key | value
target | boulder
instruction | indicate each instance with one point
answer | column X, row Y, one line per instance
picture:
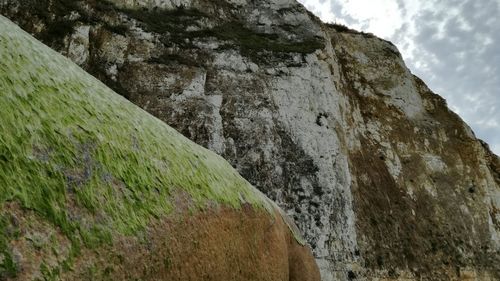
column 94, row 188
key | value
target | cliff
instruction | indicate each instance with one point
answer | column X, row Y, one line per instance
column 94, row 188
column 384, row 181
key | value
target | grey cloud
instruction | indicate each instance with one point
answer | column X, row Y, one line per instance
column 402, row 7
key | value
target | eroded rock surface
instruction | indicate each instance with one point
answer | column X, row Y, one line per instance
column 382, row 178
column 94, row 188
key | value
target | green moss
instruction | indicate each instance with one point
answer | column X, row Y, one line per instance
column 48, row 273
column 69, row 144
column 8, row 267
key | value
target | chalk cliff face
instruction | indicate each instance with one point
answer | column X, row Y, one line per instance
column 384, row 181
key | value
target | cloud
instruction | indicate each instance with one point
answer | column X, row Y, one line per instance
column 453, row 45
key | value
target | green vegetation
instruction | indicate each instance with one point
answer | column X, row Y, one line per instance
column 339, row 27
column 175, row 22
column 49, row 274
column 172, row 24
column 58, row 23
column 345, row 29
column 8, row 267
column 68, row 144
column 161, row 20
column 249, row 40
column 53, row 16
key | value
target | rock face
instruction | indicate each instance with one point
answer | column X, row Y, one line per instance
column 385, row 182
column 94, row 188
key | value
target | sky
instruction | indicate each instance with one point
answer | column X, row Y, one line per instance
column 453, row 45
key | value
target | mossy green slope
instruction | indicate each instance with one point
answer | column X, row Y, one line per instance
column 66, row 139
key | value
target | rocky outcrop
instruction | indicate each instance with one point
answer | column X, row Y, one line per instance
column 384, row 180
column 94, row 188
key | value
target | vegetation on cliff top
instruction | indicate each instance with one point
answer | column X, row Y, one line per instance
column 179, row 26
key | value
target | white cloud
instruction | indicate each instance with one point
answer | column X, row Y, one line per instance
column 321, row 8
column 381, row 17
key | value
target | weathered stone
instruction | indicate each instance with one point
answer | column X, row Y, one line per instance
column 382, row 178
